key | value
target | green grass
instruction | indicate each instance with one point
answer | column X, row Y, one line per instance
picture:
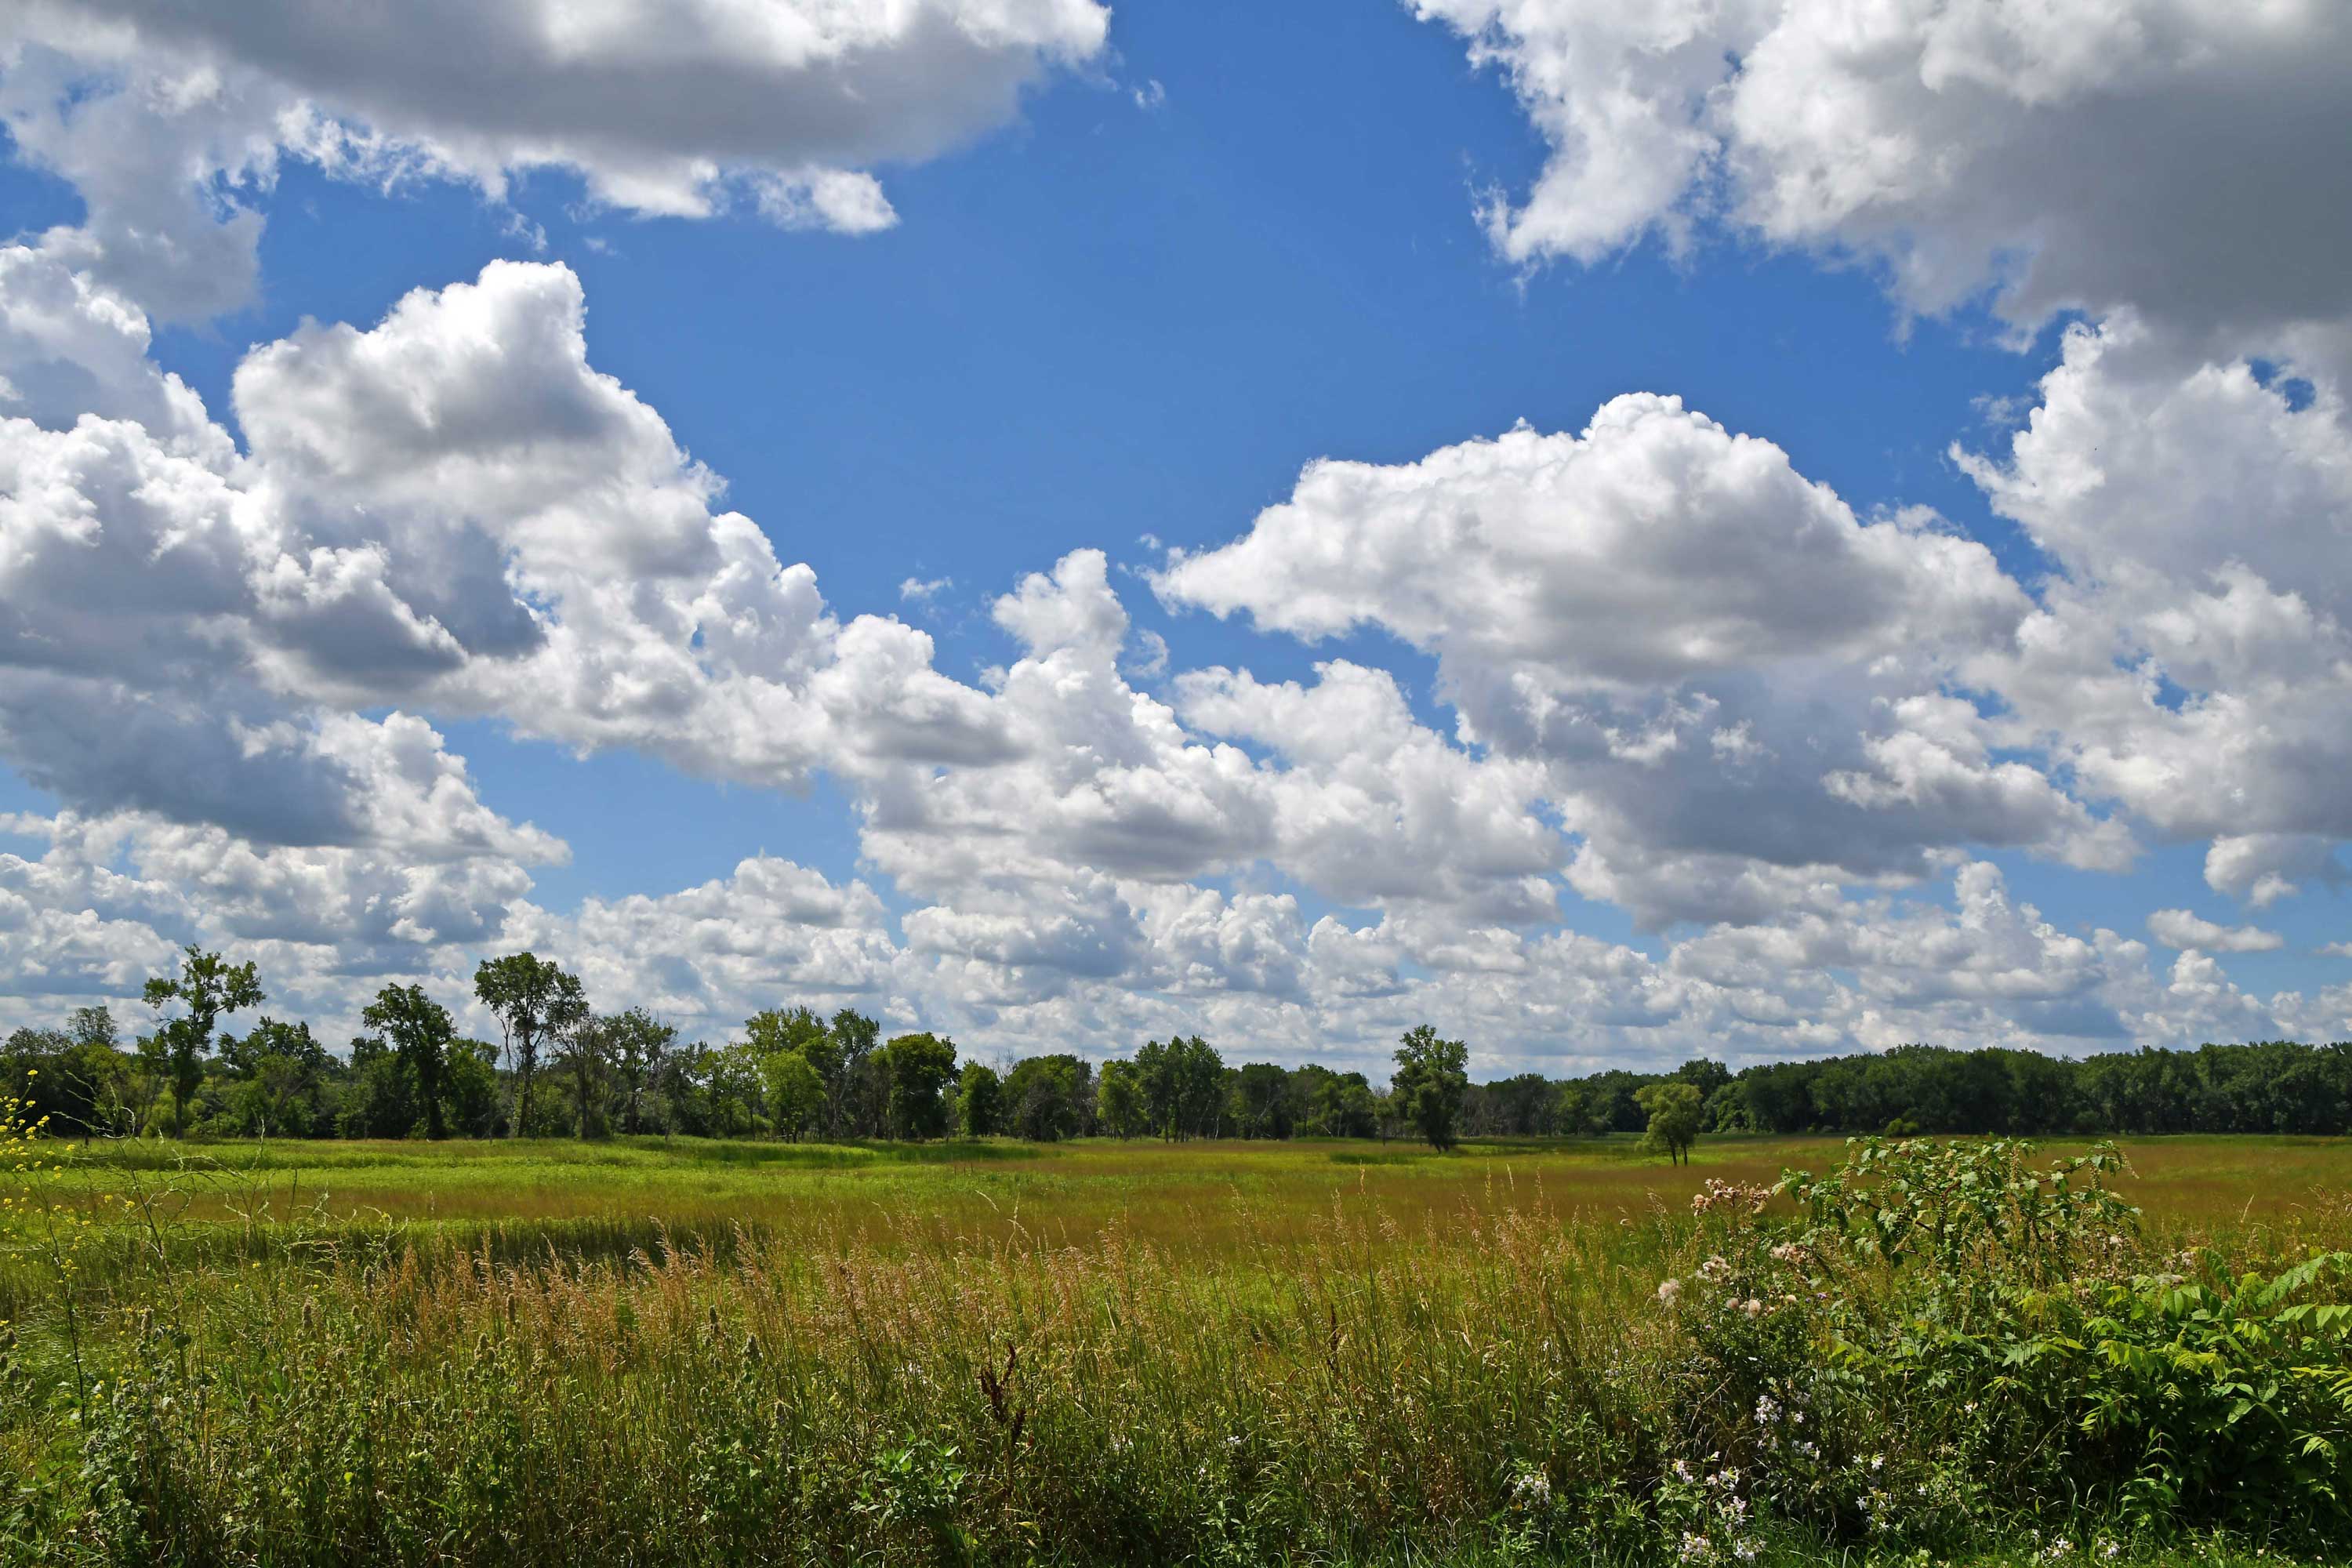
column 1100, row 1352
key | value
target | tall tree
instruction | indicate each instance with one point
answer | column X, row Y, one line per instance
column 532, row 999
column 858, row 1107
column 800, row 1032
column 640, row 1044
column 1119, row 1100
column 921, row 1065
column 1675, row 1110
column 1431, row 1074
column 796, row 1097
column 978, row 1101
column 207, row 985
column 419, row 1031
column 585, row 1050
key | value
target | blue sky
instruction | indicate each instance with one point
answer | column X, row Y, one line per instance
column 1221, row 244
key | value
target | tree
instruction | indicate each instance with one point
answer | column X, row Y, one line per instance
column 801, row 1031
column 1262, row 1101
column 584, row 1048
column 1431, row 1074
column 1676, row 1112
column 921, row 1067
column 796, row 1097
column 864, row 1098
column 284, row 1072
column 1119, row 1100
column 1183, row 1083
column 639, row 1045
column 419, row 1031
column 207, row 985
column 532, row 999
column 1045, row 1096
column 469, row 1089
column 979, row 1101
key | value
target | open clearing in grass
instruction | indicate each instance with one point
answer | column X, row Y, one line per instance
column 1195, row 1197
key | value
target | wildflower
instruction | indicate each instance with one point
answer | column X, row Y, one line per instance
column 1532, row 1489
column 1751, row 1306
column 1670, row 1292
column 1715, row 1268
column 1683, row 1471
column 1745, row 1548
column 1768, row 1409
column 1696, row 1548
column 1877, row 1463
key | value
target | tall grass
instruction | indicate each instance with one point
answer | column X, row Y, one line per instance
column 1369, row 1376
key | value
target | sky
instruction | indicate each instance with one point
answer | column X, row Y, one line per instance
column 1759, row 529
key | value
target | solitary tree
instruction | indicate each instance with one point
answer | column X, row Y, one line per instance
column 1675, row 1110
column 532, row 999
column 207, row 985
column 1431, row 1076
column 419, row 1031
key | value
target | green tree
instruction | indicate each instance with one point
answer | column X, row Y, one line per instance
column 1431, row 1076
column 795, row 1091
column 1045, row 1096
column 639, row 1045
column 1183, row 1083
column 1262, row 1101
column 419, row 1031
column 1675, row 1110
column 979, row 1101
column 207, row 985
column 864, row 1098
column 585, row 1050
column 800, row 1030
column 920, row 1066
column 532, row 999
column 1119, row 1100
column 469, row 1087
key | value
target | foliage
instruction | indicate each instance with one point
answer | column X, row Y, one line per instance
column 205, row 986
column 1346, row 1378
column 1431, row 1076
column 920, row 1067
column 979, row 1101
column 795, row 1093
column 420, row 1032
column 1676, row 1112
column 533, row 999
column 1946, row 1334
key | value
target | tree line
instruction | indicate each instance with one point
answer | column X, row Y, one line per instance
column 561, row 1069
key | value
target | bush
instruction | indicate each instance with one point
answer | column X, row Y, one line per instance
column 1942, row 1335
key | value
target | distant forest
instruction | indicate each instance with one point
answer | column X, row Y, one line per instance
column 563, row 1069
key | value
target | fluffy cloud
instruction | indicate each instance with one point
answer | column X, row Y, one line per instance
column 1737, row 690
column 2183, row 929
column 2069, row 155
column 169, row 117
column 2194, row 662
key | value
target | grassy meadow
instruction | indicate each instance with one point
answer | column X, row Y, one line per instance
column 696, row 1351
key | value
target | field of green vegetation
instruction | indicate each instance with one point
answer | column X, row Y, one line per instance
column 1101, row 1351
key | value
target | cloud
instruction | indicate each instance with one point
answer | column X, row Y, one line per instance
column 2193, row 661
column 2181, row 929
column 1739, row 691
column 923, row 590
column 2068, row 155
column 169, row 118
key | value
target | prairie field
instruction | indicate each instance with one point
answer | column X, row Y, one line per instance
column 1104, row 1351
